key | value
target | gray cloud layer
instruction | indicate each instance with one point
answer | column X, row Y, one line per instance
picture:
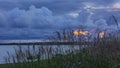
column 39, row 18
column 57, row 6
column 32, row 22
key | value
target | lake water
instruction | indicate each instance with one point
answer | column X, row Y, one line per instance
column 10, row 48
column 3, row 50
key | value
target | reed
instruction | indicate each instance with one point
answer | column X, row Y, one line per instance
column 101, row 53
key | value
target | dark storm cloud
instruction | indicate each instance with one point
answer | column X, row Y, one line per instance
column 40, row 18
column 32, row 23
column 57, row 6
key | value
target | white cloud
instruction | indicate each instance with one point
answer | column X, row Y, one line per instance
column 73, row 14
column 116, row 5
column 88, row 5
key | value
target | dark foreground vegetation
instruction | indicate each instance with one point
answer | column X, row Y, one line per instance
column 101, row 53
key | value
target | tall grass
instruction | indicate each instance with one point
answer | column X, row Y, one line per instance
column 101, row 53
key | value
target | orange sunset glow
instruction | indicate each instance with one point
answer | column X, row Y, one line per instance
column 80, row 32
column 101, row 34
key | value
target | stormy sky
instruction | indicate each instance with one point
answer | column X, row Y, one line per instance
column 37, row 19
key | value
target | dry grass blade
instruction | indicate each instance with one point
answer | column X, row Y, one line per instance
column 116, row 22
